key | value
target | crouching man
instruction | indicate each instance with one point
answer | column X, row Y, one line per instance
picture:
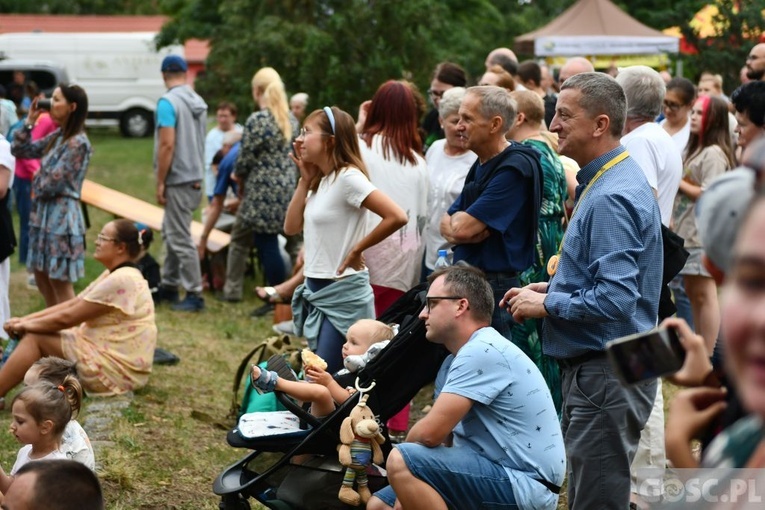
column 492, row 439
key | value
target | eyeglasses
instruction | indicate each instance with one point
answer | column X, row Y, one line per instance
column 436, row 93
column 669, row 105
column 304, row 132
column 431, row 301
column 102, row 238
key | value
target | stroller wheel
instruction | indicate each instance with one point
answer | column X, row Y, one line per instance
column 234, row 502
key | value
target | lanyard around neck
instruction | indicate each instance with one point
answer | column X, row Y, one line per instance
column 552, row 264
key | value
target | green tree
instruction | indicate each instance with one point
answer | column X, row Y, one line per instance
column 80, row 7
column 740, row 26
column 340, row 51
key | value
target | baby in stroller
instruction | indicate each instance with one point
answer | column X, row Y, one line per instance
column 321, row 389
column 398, row 372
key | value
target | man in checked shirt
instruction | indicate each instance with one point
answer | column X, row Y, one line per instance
column 605, row 284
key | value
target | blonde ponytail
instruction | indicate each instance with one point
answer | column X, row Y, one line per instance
column 270, row 83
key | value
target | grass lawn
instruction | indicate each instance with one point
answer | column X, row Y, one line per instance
column 163, row 456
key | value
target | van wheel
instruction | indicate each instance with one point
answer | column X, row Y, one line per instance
column 136, row 123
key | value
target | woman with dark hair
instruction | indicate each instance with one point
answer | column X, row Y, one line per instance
column 330, row 207
column 678, row 101
column 56, row 226
column 108, row 330
column 445, row 76
column 391, row 149
column 708, row 155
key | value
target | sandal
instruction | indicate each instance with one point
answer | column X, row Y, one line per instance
column 266, row 380
column 277, row 367
column 269, row 295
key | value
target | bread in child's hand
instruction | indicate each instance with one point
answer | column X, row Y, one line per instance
column 311, row 359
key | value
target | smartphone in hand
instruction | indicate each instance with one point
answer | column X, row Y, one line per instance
column 643, row 356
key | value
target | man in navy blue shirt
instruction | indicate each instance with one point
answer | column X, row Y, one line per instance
column 493, row 222
column 605, row 285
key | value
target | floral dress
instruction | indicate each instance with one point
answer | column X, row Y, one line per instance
column 56, row 224
column 268, row 173
column 115, row 351
column 549, row 236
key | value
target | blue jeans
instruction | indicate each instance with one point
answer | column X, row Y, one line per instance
column 22, row 191
column 462, row 477
column 270, row 256
column 682, row 302
column 329, row 344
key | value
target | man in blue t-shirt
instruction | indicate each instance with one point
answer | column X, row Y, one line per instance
column 179, row 143
column 492, row 438
column 493, row 222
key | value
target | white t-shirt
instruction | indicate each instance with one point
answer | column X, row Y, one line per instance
column 334, row 222
column 23, row 457
column 76, row 445
column 661, row 162
column 395, row 262
column 9, row 162
column 681, row 137
column 447, row 177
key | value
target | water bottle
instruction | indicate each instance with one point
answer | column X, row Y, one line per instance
column 9, row 347
column 443, row 259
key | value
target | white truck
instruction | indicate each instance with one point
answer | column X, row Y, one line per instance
column 119, row 71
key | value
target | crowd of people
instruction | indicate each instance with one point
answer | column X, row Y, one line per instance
column 556, row 202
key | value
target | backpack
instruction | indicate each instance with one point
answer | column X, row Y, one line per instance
column 252, row 401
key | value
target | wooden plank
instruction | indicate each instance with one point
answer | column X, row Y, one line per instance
column 131, row 208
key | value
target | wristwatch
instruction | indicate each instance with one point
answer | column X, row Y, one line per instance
column 29, row 127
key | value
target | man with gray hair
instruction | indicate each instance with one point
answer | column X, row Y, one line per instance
column 647, row 142
column 604, row 284
column 659, row 158
column 493, row 222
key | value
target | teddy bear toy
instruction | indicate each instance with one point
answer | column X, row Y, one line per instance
column 360, row 440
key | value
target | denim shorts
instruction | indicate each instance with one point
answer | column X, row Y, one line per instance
column 463, row 478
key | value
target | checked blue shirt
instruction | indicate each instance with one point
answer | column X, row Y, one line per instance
column 609, row 277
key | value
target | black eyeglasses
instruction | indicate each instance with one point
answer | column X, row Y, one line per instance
column 431, row 301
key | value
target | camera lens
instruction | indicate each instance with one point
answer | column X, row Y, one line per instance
column 43, row 104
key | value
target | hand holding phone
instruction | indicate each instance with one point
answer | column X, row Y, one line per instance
column 644, row 356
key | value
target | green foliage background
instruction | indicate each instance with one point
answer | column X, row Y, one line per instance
column 340, row 51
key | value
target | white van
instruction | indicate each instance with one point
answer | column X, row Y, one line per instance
column 119, row 71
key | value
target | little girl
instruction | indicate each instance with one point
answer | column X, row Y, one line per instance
column 75, row 442
column 323, row 391
column 40, row 415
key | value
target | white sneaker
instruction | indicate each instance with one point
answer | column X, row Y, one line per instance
column 285, row 328
column 31, row 282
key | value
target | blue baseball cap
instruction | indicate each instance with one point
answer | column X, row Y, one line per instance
column 174, row 64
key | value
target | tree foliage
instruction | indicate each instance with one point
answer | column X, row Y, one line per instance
column 80, row 6
column 340, row 51
column 740, row 26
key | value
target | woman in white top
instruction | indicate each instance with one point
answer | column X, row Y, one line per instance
column 392, row 148
column 448, row 164
column 678, row 101
column 330, row 206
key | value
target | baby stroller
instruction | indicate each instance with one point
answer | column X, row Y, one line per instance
column 400, row 370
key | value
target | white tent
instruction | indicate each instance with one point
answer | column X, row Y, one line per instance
column 595, row 27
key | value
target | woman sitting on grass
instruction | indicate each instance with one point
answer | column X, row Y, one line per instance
column 108, row 330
